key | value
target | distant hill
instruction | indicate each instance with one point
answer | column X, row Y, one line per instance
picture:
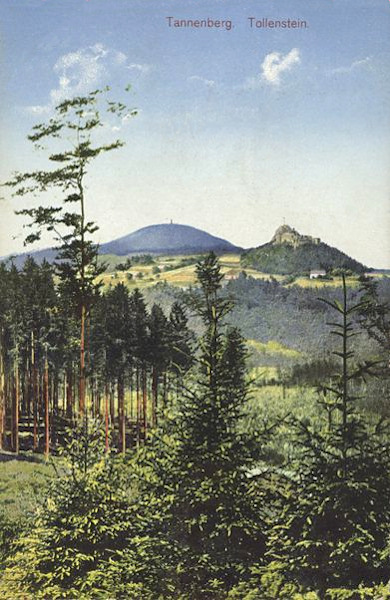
column 289, row 252
column 39, row 256
column 155, row 239
column 168, row 239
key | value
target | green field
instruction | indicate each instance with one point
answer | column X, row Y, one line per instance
column 172, row 272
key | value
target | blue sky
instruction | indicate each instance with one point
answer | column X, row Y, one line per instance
column 237, row 131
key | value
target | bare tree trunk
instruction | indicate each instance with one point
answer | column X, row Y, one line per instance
column 30, row 405
column 82, row 362
column 98, row 398
column 35, row 405
column 69, row 392
column 138, row 398
column 93, row 397
column 112, row 404
column 121, row 415
column 106, row 419
column 144, row 403
column 25, row 390
column 15, row 424
column 2, row 399
column 63, row 395
column 131, row 397
column 154, row 396
column 47, row 408
column 165, row 385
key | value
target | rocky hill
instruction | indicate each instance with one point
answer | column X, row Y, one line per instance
column 289, row 253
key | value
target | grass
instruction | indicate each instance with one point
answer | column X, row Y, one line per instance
column 171, row 271
column 305, row 282
column 22, row 483
column 271, row 348
column 174, row 273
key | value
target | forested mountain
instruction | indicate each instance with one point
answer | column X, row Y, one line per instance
column 291, row 253
column 168, row 239
column 154, row 239
column 268, row 311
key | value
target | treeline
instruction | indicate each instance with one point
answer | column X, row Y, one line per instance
column 133, row 358
column 293, row 316
column 201, row 511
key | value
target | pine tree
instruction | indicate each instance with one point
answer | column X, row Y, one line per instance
column 335, row 522
column 158, row 353
column 75, row 125
column 118, row 357
column 140, row 348
column 197, row 464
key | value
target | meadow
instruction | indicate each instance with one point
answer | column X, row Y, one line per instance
column 171, row 271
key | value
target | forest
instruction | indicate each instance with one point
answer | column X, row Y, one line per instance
column 227, row 441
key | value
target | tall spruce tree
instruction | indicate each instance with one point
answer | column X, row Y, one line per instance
column 158, row 352
column 195, row 471
column 335, row 522
column 118, row 356
column 140, row 347
column 72, row 135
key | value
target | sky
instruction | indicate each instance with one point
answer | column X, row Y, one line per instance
column 238, row 129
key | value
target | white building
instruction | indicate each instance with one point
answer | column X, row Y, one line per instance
column 317, row 273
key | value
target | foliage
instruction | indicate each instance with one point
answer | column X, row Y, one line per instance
column 335, row 521
column 285, row 259
column 72, row 137
column 84, row 520
column 195, row 496
column 205, row 505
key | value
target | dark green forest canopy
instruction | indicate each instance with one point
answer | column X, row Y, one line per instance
column 284, row 259
column 266, row 310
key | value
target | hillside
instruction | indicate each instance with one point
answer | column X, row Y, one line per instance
column 289, row 252
column 169, row 239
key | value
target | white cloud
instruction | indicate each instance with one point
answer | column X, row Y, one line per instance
column 120, row 58
column 139, row 67
column 275, row 63
column 83, row 70
column 357, row 64
column 206, row 82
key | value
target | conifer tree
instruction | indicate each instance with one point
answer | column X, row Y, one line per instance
column 83, row 522
column 335, row 522
column 200, row 485
column 118, row 358
column 181, row 341
column 71, row 134
column 140, row 346
column 158, row 353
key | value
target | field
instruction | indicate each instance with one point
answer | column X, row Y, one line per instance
column 170, row 269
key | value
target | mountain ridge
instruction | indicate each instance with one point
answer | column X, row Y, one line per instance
column 288, row 251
